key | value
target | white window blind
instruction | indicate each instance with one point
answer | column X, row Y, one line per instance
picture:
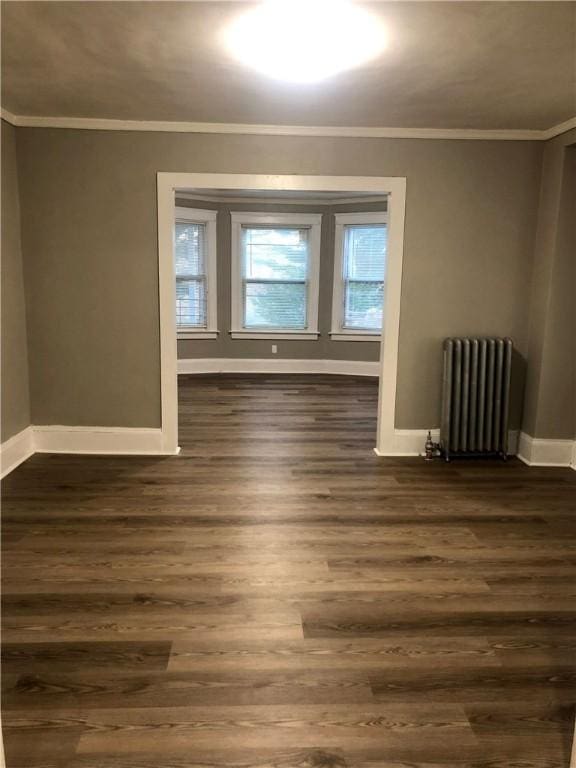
column 191, row 268
column 275, row 268
column 363, row 267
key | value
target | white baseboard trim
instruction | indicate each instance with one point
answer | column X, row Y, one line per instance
column 410, row 442
column 98, row 440
column 112, row 441
column 534, row 452
column 15, row 450
column 540, row 452
column 269, row 365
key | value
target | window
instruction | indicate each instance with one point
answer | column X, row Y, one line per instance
column 195, row 262
column 275, row 263
column 359, row 276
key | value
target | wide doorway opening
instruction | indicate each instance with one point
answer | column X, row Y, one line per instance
column 288, row 282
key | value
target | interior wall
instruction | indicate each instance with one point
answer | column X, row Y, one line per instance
column 550, row 408
column 322, row 348
column 15, row 400
column 90, row 242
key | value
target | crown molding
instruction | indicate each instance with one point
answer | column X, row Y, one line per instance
column 558, row 130
column 366, row 132
column 8, row 116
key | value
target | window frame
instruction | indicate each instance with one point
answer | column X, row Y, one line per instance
column 208, row 218
column 310, row 221
column 338, row 332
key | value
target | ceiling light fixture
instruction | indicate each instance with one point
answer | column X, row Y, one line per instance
column 305, row 41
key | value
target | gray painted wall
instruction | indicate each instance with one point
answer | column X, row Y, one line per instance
column 322, row 348
column 550, row 408
column 15, row 412
column 89, row 210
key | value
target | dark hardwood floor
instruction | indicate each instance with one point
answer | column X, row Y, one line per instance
column 278, row 596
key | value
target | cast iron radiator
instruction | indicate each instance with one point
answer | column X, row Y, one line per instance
column 475, row 397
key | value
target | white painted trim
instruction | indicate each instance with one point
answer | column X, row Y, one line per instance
column 271, row 218
column 10, row 117
column 190, row 333
column 250, row 200
column 407, row 442
column 271, row 365
column 249, row 129
column 313, row 222
column 98, row 440
column 282, row 335
column 355, row 336
column 195, row 215
column 363, row 217
column 410, row 442
column 558, row 130
column 541, row 452
column 89, row 440
column 338, row 332
column 15, row 450
column 393, row 187
column 370, row 132
column 396, row 212
column 208, row 218
column 167, row 302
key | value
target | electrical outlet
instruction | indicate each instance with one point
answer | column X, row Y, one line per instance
column 274, row 348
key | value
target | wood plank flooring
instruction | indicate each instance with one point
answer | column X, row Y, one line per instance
column 279, row 596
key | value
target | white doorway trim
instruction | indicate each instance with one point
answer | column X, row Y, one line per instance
column 394, row 187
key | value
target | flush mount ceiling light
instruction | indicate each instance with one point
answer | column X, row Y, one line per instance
column 304, row 41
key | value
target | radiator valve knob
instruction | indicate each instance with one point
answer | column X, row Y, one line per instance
column 429, row 447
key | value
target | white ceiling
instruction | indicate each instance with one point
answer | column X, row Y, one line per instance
column 480, row 65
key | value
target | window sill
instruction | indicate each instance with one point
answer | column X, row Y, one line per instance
column 187, row 335
column 347, row 336
column 286, row 335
